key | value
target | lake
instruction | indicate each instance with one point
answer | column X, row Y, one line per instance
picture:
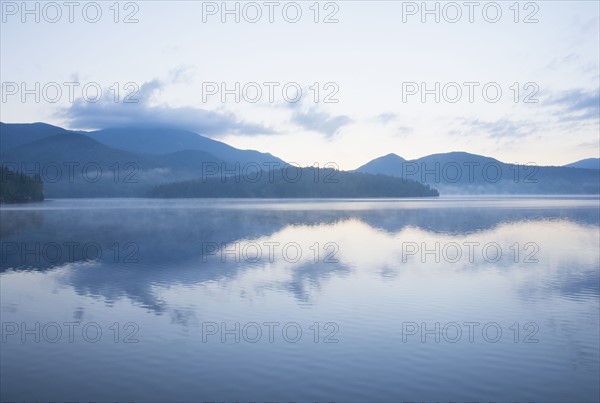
column 462, row 298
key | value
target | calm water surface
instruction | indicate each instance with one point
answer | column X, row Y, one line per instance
column 491, row 299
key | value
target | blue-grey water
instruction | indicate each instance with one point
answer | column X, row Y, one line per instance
column 493, row 299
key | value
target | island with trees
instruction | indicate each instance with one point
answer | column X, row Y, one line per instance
column 294, row 182
column 17, row 187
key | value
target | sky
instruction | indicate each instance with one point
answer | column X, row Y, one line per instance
column 338, row 82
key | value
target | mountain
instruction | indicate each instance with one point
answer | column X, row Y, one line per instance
column 456, row 157
column 588, row 163
column 119, row 162
column 13, row 135
column 67, row 147
column 134, row 161
column 163, row 140
column 465, row 173
column 75, row 165
column 158, row 141
column 386, row 165
column 394, row 165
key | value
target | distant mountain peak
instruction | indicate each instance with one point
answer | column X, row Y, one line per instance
column 392, row 155
column 588, row 163
column 388, row 165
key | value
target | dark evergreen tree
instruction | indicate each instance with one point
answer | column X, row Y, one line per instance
column 16, row 187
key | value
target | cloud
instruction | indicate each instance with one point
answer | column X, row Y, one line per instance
column 106, row 113
column 319, row 121
column 576, row 105
column 589, row 144
column 499, row 129
column 590, row 26
column 566, row 111
column 403, row 130
column 385, row 117
column 559, row 62
column 183, row 74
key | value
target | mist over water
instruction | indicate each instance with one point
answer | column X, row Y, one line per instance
column 415, row 299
